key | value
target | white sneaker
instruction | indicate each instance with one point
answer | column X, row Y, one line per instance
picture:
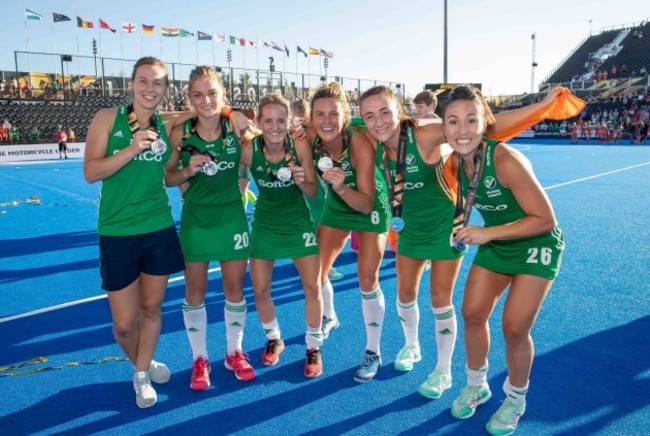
column 158, row 372
column 145, row 394
column 407, row 356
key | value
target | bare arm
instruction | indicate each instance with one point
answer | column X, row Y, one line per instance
column 305, row 175
column 97, row 166
column 515, row 172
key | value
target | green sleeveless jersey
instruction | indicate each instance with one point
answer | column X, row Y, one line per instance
column 134, row 201
column 538, row 255
column 223, row 187
column 338, row 214
column 427, row 211
column 282, row 226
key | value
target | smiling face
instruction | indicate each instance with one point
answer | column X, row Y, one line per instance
column 328, row 118
column 273, row 120
column 149, row 85
column 465, row 125
column 380, row 113
column 206, row 96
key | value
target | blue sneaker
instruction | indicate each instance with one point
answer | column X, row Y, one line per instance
column 333, row 275
column 369, row 367
column 465, row 405
column 328, row 325
column 505, row 420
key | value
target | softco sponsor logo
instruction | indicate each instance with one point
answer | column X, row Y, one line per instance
column 275, row 184
column 409, row 186
column 147, row 156
column 490, row 208
column 225, row 165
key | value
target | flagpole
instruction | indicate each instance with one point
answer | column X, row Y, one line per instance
column 29, row 56
column 54, row 52
column 214, row 61
column 161, row 50
column 142, row 40
column 197, row 49
column 122, row 50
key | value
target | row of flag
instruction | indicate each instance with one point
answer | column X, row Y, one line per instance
column 171, row 32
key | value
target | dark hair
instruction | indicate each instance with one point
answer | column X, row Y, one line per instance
column 335, row 91
column 149, row 60
column 428, row 98
column 470, row 93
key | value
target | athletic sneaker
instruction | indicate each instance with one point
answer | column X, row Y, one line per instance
column 158, row 372
column 329, row 324
column 200, row 378
column 333, row 275
column 238, row 363
column 427, row 266
column 438, row 382
column 505, row 420
column 369, row 367
column 271, row 354
column 407, row 356
column 465, row 405
column 145, row 394
column 313, row 363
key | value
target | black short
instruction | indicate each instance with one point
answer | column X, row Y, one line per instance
column 123, row 258
column 63, row 146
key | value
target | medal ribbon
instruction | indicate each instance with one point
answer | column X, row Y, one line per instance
column 134, row 124
column 462, row 213
column 288, row 156
column 396, row 188
column 320, row 148
column 194, row 151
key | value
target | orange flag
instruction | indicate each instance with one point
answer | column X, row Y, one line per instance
column 566, row 105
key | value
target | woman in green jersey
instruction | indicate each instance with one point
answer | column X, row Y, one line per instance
column 355, row 201
column 213, row 223
column 520, row 246
column 283, row 171
column 427, row 203
column 126, row 149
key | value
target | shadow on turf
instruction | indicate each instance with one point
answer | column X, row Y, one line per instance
column 47, row 243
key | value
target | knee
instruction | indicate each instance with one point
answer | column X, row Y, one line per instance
column 313, row 293
column 195, row 295
column 441, row 296
column 150, row 312
column 473, row 318
column 367, row 281
column 124, row 329
column 262, row 292
column 515, row 334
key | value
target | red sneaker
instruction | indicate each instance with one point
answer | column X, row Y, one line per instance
column 313, row 363
column 271, row 355
column 238, row 362
column 200, row 379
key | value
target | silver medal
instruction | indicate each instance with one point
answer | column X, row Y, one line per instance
column 158, row 147
column 284, row 174
column 325, row 163
column 210, row 168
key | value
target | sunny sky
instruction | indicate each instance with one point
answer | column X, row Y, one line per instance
column 489, row 42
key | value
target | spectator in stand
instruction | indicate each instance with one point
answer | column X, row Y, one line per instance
column 35, row 135
column 61, row 137
column 425, row 105
column 643, row 71
column 613, row 71
column 14, row 133
column 27, row 89
column 623, row 70
column 605, row 75
column 642, row 133
column 55, row 89
column 71, row 135
column 600, row 76
column 13, row 83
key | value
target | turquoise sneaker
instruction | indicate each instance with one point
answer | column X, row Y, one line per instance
column 438, row 382
column 333, row 275
column 407, row 356
column 465, row 405
column 505, row 420
column 369, row 367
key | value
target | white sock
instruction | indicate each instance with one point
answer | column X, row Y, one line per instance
column 446, row 332
column 477, row 377
column 313, row 337
column 272, row 329
column 374, row 308
column 234, row 315
column 328, row 299
column 196, row 325
column 409, row 315
column 518, row 395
